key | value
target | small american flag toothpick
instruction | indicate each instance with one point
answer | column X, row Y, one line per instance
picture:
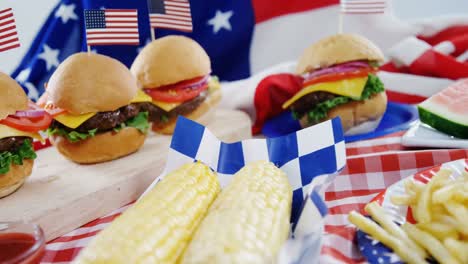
column 111, row 27
column 8, row 32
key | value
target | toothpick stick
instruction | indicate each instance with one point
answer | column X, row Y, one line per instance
column 153, row 37
column 340, row 23
column 89, row 49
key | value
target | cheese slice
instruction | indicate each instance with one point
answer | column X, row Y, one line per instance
column 166, row 106
column 6, row 131
column 213, row 84
column 141, row 97
column 350, row 88
column 73, row 121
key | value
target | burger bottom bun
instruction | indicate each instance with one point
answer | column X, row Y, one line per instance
column 102, row 147
column 14, row 179
column 200, row 114
column 356, row 113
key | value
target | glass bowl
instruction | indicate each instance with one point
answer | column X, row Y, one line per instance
column 21, row 243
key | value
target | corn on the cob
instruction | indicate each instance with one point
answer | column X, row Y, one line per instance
column 158, row 227
column 248, row 222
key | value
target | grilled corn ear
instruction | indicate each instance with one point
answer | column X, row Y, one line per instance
column 158, row 227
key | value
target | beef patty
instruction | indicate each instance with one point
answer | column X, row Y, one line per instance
column 11, row 144
column 309, row 101
column 157, row 114
column 105, row 121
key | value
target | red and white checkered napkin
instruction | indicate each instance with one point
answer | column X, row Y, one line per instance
column 363, row 178
column 372, row 166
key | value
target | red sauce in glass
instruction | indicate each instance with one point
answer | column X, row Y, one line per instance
column 13, row 245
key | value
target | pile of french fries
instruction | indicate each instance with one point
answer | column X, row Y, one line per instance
column 440, row 209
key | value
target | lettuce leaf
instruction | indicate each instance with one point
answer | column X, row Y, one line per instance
column 139, row 122
column 26, row 151
column 373, row 86
column 72, row 136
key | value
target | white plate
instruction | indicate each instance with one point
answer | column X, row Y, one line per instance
column 420, row 135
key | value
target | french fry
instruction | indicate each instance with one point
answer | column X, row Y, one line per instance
column 446, row 219
column 461, row 196
column 445, row 193
column 459, row 213
column 370, row 227
column 439, row 230
column 414, row 186
column 379, row 215
column 404, row 199
column 422, row 212
column 458, row 249
column 438, row 209
column 430, row 243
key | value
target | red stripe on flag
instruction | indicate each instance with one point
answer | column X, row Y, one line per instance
column 114, row 43
column 7, row 29
column 6, row 16
column 10, row 47
column 123, row 38
column 327, row 250
column 404, row 97
column 343, row 231
column 125, row 27
column 6, row 10
column 11, row 21
column 364, row 3
column 120, row 10
column 8, row 35
column 122, row 21
column 9, row 41
column 445, row 34
column 110, row 32
column 362, row 12
column 436, row 64
column 267, row 9
column 347, row 208
column 122, row 16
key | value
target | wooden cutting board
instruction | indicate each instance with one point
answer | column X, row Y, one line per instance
column 61, row 195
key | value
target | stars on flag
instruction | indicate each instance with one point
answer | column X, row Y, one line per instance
column 66, row 13
column 170, row 14
column 112, row 27
column 221, row 21
column 50, row 57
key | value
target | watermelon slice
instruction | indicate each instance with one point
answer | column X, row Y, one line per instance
column 447, row 111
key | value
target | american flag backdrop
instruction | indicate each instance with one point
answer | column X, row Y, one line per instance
column 8, row 32
column 363, row 6
column 112, row 27
column 170, row 14
column 244, row 37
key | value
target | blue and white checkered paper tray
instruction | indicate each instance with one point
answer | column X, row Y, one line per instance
column 310, row 157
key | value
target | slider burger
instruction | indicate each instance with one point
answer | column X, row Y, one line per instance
column 96, row 107
column 20, row 121
column 340, row 80
column 175, row 72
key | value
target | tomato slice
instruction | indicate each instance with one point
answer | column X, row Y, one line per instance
column 179, row 92
column 175, row 96
column 333, row 77
column 28, row 124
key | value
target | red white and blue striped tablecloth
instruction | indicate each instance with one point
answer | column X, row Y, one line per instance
column 372, row 166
